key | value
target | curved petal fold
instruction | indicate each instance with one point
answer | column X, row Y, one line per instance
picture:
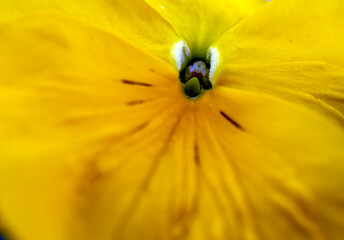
column 200, row 23
column 292, row 49
column 132, row 20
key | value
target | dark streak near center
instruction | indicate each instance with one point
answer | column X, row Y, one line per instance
column 196, row 152
column 136, row 83
column 132, row 103
column 237, row 125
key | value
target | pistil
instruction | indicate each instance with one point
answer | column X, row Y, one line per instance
column 195, row 77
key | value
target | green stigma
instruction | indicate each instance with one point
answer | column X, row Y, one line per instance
column 192, row 87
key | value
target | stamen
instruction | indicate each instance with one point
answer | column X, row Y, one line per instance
column 181, row 54
column 213, row 57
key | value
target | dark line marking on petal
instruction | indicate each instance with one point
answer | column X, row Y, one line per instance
column 136, row 83
column 140, row 127
column 132, row 103
column 237, row 125
column 196, row 156
column 134, row 202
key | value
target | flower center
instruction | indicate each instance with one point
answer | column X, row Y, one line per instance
column 195, row 77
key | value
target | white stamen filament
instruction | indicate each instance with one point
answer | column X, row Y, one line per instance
column 181, row 54
column 213, row 57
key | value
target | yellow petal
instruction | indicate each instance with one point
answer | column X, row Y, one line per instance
column 292, row 49
column 94, row 145
column 77, row 102
column 269, row 170
column 200, row 22
column 132, row 20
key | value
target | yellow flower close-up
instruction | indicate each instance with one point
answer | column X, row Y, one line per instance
column 172, row 119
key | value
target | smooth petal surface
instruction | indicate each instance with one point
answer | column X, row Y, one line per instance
column 74, row 108
column 132, row 20
column 200, row 23
column 292, row 49
column 95, row 145
column 268, row 170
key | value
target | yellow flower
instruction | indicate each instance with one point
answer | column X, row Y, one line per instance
column 99, row 141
